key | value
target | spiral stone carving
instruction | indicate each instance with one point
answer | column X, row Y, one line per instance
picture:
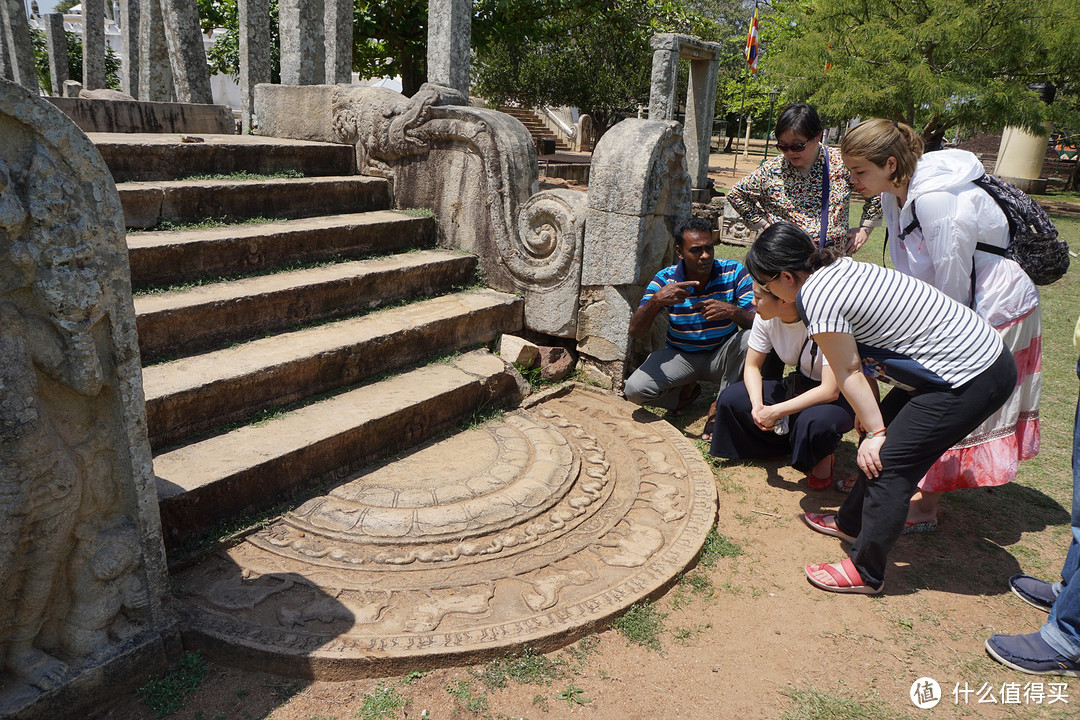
column 550, row 228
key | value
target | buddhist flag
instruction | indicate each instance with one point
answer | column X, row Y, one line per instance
column 752, row 44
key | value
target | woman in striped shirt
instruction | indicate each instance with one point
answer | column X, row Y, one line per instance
column 949, row 369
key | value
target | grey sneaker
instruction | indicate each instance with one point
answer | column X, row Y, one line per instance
column 1030, row 654
column 1035, row 592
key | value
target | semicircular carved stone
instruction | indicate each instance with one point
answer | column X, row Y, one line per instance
column 476, row 168
column 81, row 557
column 529, row 529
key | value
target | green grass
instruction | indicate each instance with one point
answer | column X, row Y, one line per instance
column 466, row 699
column 811, row 704
column 166, row 695
column 641, row 624
column 207, row 223
column 421, row 212
column 527, row 667
column 286, row 174
column 384, row 702
column 716, row 547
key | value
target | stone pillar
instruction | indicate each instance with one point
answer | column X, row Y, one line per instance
column 129, row 46
column 1020, row 158
column 191, row 75
column 254, row 23
column 665, row 70
column 339, row 41
column 20, row 54
column 449, row 39
column 303, row 57
column 5, row 61
column 155, row 72
column 93, row 73
column 56, row 46
column 700, row 110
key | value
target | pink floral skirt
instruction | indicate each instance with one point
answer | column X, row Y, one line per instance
column 990, row 455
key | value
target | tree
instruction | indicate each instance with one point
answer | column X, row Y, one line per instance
column 74, row 59
column 64, row 5
column 934, row 65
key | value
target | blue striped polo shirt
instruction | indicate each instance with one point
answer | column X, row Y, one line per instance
column 688, row 330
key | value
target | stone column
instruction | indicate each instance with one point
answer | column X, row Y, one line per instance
column 191, row 75
column 93, row 74
column 5, row 61
column 449, row 39
column 155, row 72
column 129, row 46
column 665, row 71
column 254, row 23
column 339, row 41
column 303, row 56
column 20, row 54
column 700, row 109
column 56, row 46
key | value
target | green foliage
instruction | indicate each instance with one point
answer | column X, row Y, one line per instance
column 466, row 699
column 390, row 38
column 527, row 667
column 384, row 702
column 573, row 695
column 817, row 705
column 717, row 546
column 641, row 624
column 288, row 173
column 224, row 56
column 166, row 695
column 64, row 5
column 74, row 59
column 933, row 65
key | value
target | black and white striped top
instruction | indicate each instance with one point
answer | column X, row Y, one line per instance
column 908, row 333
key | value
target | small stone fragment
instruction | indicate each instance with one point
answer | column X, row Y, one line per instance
column 518, row 351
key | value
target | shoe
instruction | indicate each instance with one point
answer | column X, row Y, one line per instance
column 844, row 580
column 821, row 483
column 817, row 523
column 920, row 527
column 1030, row 654
column 1035, row 592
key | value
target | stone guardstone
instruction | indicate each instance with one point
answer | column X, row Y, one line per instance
column 526, row 530
column 518, row 351
column 81, row 558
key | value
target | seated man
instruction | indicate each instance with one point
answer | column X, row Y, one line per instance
column 710, row 307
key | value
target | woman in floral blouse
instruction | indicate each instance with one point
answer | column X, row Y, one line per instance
column 789, row 187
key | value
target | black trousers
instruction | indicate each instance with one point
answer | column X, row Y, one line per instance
column 921, row 425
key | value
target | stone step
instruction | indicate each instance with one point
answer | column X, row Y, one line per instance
column 184, row 201
column 164, row 156
column 257, row 466
column 174, row 256
column 185, row 322
column 198, row 394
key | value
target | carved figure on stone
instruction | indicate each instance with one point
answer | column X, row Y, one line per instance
column 427, row 614
column 628, row 544
column 546, row 584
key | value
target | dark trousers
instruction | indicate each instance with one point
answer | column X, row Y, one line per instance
column 921, row 427
column 814, row 433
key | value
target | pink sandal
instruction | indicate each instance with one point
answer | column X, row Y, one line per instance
column 818, row 522
column 844, row 580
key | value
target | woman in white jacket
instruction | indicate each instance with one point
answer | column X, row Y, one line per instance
column 934, row 215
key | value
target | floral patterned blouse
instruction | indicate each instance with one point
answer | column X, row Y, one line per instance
column 778, row 191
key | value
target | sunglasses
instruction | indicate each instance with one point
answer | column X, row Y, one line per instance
column 796, row 147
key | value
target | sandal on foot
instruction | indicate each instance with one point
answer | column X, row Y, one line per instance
column 710, row 420
column 920, row 527
column 821, row 483
column 845, row 579
column 687, row 401
column 847, row 484
column 818, row 522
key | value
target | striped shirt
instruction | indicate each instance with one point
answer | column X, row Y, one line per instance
column 688, row 330
column 908, row 333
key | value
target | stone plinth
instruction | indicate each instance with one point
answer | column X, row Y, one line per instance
column 527, row 530
column 128, row 116
column 82, row 565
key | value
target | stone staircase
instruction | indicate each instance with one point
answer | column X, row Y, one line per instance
column 282, row 355
column 536, row 127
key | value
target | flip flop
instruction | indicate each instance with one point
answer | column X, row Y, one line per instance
column 921, row 527
column 816, row 522
column 843, row 580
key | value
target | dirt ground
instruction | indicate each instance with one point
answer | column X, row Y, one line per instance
column 749, row 637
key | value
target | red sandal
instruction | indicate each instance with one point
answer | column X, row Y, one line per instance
column 846, row 579
column 821, row 483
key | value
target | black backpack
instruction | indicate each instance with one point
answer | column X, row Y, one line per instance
column 1033, row 239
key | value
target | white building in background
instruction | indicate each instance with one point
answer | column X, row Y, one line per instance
column 224, row 88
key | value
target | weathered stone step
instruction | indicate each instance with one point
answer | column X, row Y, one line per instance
column 186, row 322
column 173, row 256
column 254, row 467
column 197, row 394
column 162, row 156
column 146, row 203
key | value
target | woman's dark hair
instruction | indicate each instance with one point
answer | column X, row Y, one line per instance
column 698, row 224
column 801, row 119
column 784, row 246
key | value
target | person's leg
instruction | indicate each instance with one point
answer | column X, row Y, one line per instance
column 815, row 433
column 735, row 436
column 659, row 378
column 726, row 364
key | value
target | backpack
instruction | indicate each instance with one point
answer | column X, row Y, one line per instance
column 1033, row 239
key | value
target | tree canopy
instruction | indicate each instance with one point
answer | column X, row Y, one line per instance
column 934, row 65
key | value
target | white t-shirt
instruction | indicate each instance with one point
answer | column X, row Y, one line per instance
column 789, row 340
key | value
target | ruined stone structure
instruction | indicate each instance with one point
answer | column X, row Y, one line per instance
column 81, row 560
column 700, row 97
column 16, row 54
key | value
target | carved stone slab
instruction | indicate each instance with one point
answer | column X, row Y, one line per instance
column 529, row 529
column 83, row 588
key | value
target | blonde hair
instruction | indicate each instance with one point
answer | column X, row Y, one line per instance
column 879, row 139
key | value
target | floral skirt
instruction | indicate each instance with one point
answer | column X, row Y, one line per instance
column 989, row 456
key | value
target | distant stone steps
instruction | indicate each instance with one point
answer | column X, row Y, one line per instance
column 185, row 322
column 254, row 467
column 176, row 256
column 536, row 127
column 188, row 201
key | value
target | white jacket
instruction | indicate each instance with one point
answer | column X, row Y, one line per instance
column 954, row 214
